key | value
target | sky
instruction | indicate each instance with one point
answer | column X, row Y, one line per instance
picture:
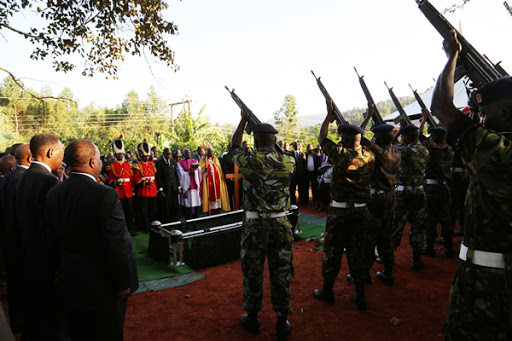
column 266, row 49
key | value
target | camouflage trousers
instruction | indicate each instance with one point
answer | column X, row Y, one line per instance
column 478, row 308
column 269, row 238
column 438, row 211
column 381, row 228
column 409, row 207
column 346, row 228
column 458, row 190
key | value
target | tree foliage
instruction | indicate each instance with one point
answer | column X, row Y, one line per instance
column 286, row 117
column 101, row 32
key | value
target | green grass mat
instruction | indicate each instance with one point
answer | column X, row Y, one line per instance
column 312, row 226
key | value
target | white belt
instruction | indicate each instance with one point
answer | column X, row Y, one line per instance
column 257, row 215
column 401, row 188
column 483, row 258
column 123, row 180
column 434, row 182
column 147, row 178
column 338, row 204
column 378, row 191
column 458, row 170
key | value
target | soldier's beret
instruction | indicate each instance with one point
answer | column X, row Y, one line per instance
column 494, row 91
column 436, row 130
column 264, row 128
column 350, row 129
column 382, row 129
column 410, row 128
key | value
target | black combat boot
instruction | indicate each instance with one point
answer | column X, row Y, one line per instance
column 448, row 248
column 325, row 294
column 251, row 323
column 428, row 250
column 386, row 276
column 359, row 297
column 367, row 280
column 417, row 264
column 283, row 328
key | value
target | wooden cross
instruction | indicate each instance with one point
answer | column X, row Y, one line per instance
column 235, row 177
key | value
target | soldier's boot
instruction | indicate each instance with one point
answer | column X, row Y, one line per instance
column 251, row 323
column 325, row 294
column 386, row 275
column 359, row 297
column 448, row 248
column 283, row 328
column 367, row 280
column 417, row 264
column 428, row 250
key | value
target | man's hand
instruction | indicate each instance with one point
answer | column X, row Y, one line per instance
column 403, row 122
column 452, row 46
column 330, row 107
column 161, row 194
column 243, row 115
column 424, row 114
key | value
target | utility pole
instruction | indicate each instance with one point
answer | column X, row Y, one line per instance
column 172, row 115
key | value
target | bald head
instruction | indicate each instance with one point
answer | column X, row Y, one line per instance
column 83, row 156
column 23, row 155
column 7, row 164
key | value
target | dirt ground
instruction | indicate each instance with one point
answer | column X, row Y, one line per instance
column 209, row 309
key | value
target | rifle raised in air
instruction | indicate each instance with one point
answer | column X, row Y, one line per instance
column 430, row 119
column 251, row 118
column 398, row 106
column 377, row 118
column 337, row 113
column 471, row 63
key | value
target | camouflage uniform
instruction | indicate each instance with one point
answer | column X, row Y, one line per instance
column 458, row 189
column 347, row 227
column 479, row 306
column 387, row 161
column 409, row 195
column 440, row 158
column 266, row 181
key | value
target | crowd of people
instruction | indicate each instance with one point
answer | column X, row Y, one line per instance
column 68, row 235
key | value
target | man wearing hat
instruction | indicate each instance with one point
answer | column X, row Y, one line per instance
column 409, row 195
column 480, row 298
column 348, row 216
column 120, row 176
column 266, row 231
column 387, row 161
column 144, row 177
column 438, row 173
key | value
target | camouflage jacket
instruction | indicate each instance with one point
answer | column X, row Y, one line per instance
column 387, row 162
column 266, row 178
column 440, row 159
column 487, row 157
column 352, row 172
column 414, row 162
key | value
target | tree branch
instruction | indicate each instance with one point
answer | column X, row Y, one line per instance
column 27, row 35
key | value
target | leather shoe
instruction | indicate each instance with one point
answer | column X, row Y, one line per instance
column 324, row 296
column 282, row 331
column 251, row 324
column 385, row 278
column 360, row 300
column 441, row 240
column 367, row 281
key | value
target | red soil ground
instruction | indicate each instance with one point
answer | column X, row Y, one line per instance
column 209, row 309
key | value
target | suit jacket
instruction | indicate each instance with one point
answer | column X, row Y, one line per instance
column 37, row 244
column 300, row 165
column 167, row 176
column 96, row 259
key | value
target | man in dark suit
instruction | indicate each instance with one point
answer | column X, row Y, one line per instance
column 96, row 267
column 312, row 173
column 10, row 236
column 38, row 250
column 168, row 184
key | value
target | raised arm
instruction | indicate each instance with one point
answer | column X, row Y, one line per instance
column 236, row 140
column 324, row 129
column 442, row 100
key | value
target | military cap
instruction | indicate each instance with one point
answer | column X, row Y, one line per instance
column 436, row 130
column 410, row 128
column 118, row 146
column 350, row 129
column 382, row 129
column 494, row 91
column 143, row 149
column 264, row 128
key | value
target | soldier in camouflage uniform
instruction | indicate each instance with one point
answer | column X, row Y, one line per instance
column 480, row 298
column 409, row 193
column 266, row 230
column 438, row 173
column 348, row 216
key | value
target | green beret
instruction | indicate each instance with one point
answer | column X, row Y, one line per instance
column 382, row 129
column 264, row 128
column 494, row 91
column 410, row 128
column 350, row 129
column 436, row 130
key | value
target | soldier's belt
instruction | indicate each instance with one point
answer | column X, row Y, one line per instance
column 338, row 204
column 257, row 214
column 434, row 182
column 147, row 178
column 482, row 258
column 376, row 191
column 458, row 170
column 401, row 188
column 123, row 180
